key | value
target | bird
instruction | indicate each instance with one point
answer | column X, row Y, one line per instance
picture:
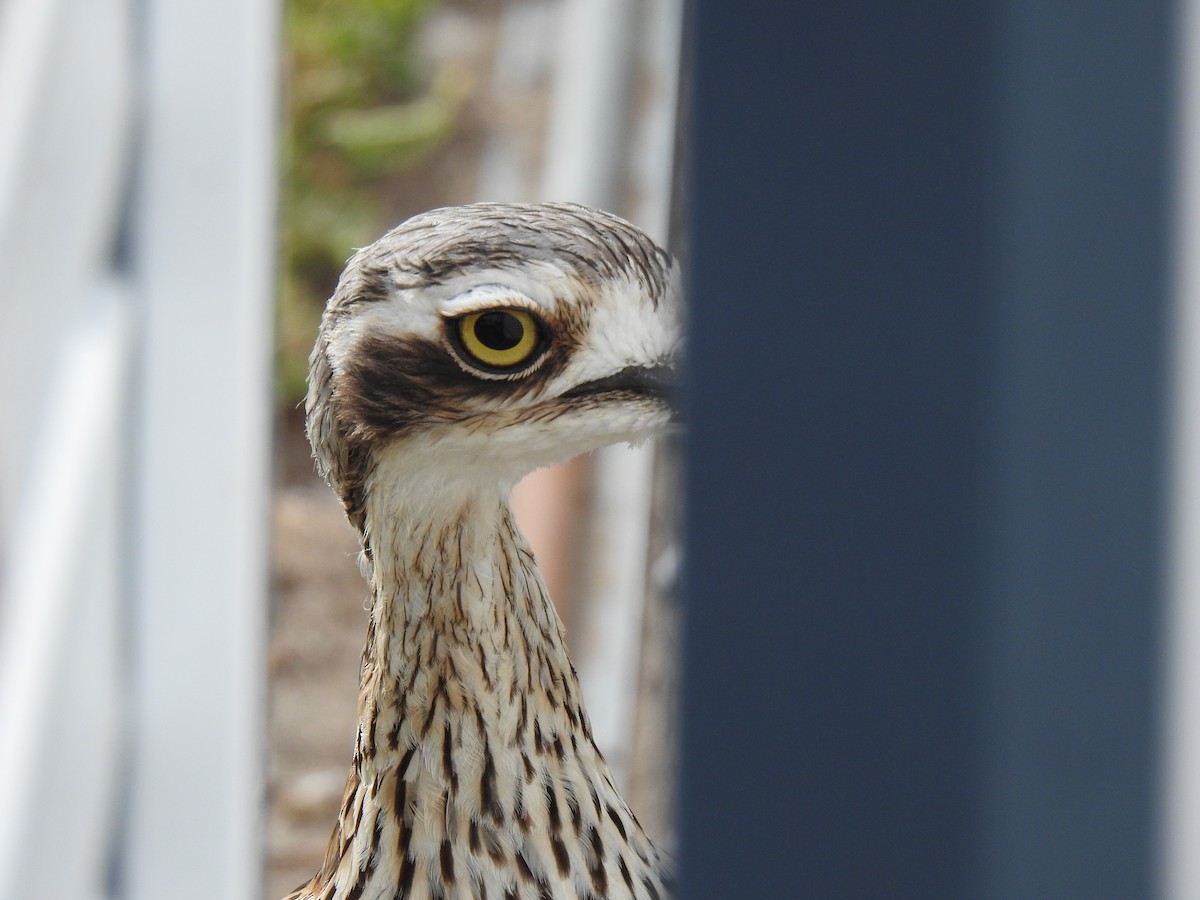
column 463, row 349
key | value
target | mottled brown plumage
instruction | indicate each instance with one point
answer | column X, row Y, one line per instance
column 475, row 774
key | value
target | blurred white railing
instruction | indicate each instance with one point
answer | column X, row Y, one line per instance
column 611, row 145
column 61, row 704
column 65, row 138
column 137, row 187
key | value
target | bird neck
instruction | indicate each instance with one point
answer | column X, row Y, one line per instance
column 461, row 620
column 474, row 763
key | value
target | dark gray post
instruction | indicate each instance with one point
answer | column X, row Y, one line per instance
column 928, row 275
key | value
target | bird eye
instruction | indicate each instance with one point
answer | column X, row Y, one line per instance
column 498, row 339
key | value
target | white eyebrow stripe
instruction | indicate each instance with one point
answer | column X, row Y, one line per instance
column 486, row 296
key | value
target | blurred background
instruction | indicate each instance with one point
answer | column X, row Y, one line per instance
column 942, row 591
column 217, row 167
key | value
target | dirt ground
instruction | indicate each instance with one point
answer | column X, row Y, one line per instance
column 318, row 623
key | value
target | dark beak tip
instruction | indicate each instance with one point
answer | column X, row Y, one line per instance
column 660, row 382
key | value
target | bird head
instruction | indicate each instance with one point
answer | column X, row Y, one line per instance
column 483, row 341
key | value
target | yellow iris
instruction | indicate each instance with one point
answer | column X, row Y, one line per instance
column 499, row 338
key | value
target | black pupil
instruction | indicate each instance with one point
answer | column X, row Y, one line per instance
column 499, row 330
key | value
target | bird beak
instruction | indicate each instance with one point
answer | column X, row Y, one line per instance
column 654, row 382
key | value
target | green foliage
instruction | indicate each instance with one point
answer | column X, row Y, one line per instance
column 357, row 112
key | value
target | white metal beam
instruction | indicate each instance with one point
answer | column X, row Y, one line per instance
column 204, row 262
